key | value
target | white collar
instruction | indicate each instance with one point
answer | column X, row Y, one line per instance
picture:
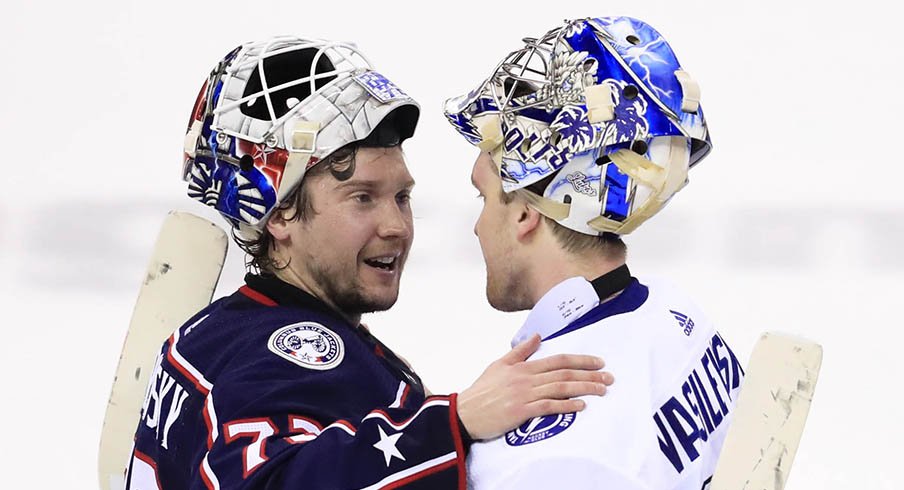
column 561, row 305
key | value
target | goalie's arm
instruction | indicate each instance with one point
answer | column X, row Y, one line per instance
column 387, row 446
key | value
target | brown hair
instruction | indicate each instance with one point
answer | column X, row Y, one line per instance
column 341, row 164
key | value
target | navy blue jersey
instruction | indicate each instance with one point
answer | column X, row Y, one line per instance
column 270, row 388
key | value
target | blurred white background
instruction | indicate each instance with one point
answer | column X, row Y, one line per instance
column 795, row 222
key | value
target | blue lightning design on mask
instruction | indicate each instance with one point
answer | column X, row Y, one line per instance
column 642, row 57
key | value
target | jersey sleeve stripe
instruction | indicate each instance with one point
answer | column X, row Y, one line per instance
column 208, row 476
column 456, row 437
column 351, row 430
column 196, row 323
column 150, row 462
column 210, row 419
column 344, row 425
column 416, row 472
column 400, row 395
column 185, row 367
column 437, row 402
column 405, row 395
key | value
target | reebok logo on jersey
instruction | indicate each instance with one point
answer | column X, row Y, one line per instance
column 684, row 322
column 308, row 344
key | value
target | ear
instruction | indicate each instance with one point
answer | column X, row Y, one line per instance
column 528, row 221
column 278, row 225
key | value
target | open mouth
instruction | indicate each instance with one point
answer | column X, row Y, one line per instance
column 387, row 263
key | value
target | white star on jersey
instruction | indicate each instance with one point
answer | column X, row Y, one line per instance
column 387, row 444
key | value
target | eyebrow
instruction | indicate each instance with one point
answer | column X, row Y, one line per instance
column 368, row 184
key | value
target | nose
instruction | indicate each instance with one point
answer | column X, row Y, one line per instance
column 395, row 223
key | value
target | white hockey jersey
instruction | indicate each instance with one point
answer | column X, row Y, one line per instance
column 660, row 426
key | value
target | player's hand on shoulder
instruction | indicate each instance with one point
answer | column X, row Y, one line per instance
column 512, row 389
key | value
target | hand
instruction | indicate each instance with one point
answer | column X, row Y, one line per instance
column 512, row 390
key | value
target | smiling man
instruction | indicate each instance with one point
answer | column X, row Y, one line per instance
column 297, row 143
column 350, row 246
column 585, row 133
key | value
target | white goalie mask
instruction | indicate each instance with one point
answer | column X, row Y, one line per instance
column 271, row 110
column 596, row 117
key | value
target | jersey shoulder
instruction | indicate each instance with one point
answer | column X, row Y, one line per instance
column 669, row 363
column 246, row 349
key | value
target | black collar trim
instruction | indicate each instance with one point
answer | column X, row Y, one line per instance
column 612, row 282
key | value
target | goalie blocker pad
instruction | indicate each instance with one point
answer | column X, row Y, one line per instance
column 181, row 277
column 770, row 415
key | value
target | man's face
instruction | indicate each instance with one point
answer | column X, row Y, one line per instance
column 496, row 234
column 352, row 248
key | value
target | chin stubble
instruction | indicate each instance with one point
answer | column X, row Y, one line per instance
column 348, row 298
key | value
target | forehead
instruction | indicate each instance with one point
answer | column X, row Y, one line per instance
column 381, row 166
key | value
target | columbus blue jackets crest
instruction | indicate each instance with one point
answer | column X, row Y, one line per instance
column 308, row 344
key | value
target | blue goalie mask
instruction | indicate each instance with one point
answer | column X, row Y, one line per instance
column 596, row 113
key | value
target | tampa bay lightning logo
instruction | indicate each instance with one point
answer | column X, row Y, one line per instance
column 463, row 124
column 540, row 428
column 308, row 344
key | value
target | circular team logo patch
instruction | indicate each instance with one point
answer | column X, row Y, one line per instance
column 540, row 428
column 308, row 344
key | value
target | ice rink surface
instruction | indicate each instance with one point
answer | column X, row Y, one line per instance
column 795, row 222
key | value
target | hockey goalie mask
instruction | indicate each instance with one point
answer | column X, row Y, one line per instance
column 602, row 110
column 270, row 111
